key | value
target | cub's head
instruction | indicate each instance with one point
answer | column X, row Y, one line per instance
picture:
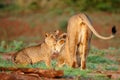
column 59, row 35
column 50, row 40
column 61, row 39
column 55, row 41
column 59, row 45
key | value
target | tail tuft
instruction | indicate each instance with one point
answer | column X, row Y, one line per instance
column 114, row 30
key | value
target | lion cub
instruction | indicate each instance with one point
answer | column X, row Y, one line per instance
column 62, row 56
column 34, row 54
column 60, row 41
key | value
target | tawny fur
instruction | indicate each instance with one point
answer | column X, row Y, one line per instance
column 34, row 54
column 79, row 33
column 64, row 57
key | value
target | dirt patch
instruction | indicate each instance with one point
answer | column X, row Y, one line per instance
column 12, row 28
column 110, row 74
column 29, row 73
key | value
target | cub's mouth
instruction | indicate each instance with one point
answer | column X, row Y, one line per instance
column 54, row 55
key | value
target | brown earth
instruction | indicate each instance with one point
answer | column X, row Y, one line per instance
column 39, row 74
column 13, row 29
column 31, row 28
column 29, row 73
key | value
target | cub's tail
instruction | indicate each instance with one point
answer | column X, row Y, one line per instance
column 13, row 58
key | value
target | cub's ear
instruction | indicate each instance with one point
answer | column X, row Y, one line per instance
column 62, row 41
column 57, row 32
column 46, row 34
column 63, row 35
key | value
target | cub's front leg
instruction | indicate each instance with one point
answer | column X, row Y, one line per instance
column 48, row 62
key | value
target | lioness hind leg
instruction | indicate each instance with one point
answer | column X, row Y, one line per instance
column 83, row 53
column 72, row 51
column 78, row 58
column 83, row 49
column 81, row 62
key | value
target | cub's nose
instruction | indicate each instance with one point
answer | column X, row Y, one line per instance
column 54, row 55
column 56, row 52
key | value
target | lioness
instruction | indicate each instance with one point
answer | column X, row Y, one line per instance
column 79, row 32
column 37, row 53
column 77, row 43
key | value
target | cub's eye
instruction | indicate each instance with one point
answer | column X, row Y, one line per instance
column 52, row 36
